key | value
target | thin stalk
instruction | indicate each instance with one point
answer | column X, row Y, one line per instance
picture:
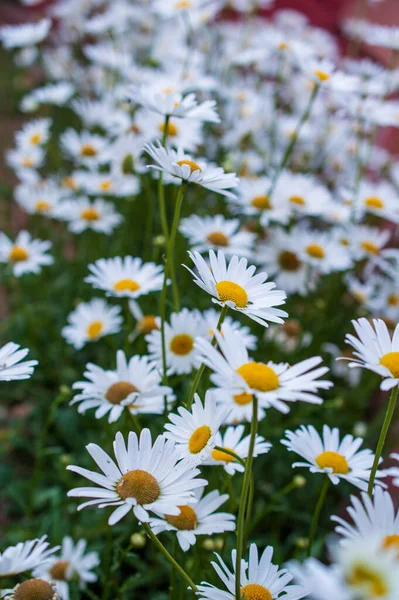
column 161, row 189
column 381, row 441
column 202, row 368
column 231, row 453
column 169, row 557
column 135, row 422
column 316, row 514
column 244, row 495
column 172, row 586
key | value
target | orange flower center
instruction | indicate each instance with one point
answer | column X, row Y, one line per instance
column 217, row 238
column 59, row 570
column 94, row 330
column 182, row 344
column 18, row 254
column 119, row 391
column 185, row 521
column 333, row 460
column 229, row 291
column 190, row 163
column 140, row 485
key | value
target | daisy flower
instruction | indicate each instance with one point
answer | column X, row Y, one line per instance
column 375, row 350
column 11, row 367
column 260, row 579
column 25, row 556
column 194, row 431
column 91, row 321
column 24, row 255
column 393, row 471
column 182, row 167
column 71, row 564
column 171, row 103
column 380, row 199
column 252, row 200
column 125, row 277
column 171, row 8
column 321, row 581
column 134, row 385
column 303, row 193
column 145, row 322
column 273, row 384
column 27, row 34
column 235, row 285
column 320, row 250
column 337, row 459
column 32, row 588
column 185, row 134
column 85, row 148
column 211, row 318
column 233, row 440
column 367, row 242
column 53, row 93
column 82, row 214
column 200, row 519
column 25, row 158
column 216, row 232
column 146, row 477
column 41, row 198
column 34, row 133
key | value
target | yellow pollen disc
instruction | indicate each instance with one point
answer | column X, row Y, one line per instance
column 18, row 254
column 183, row 4
column 259, row 376
column 171, row 130
column 228, row 291
column 217, row 238
column 27, row 162
column 186, row 521
column 282, row 46
column 42, row 206
column 334, row 461
column 193, row 165
column 315, row 250
column 59, row 569
column 34, row 589
column 391, row 362
column 105, row 185
column 126, row 285
column 289, row 261
column 140, row 485
column 391, row 542
column 182, row 344
column 374, row 202
column 393, row 300
column 90, row 214
column 254, row 591
column 297, row 200
column 199, row 439
column 88, row 150
column 370, row 582
column 147, row 324
column 135, row 129
column 35, row 139
column 69, row 183
column 370, row 247
column 321, row 75
column 119, row 391
column 261, row 202
column 243, row 399
column 222, row 456
column 94, row 330
column 344, row 242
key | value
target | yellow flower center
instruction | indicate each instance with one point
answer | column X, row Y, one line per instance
column 222, row 456
column 374, row 202
column 172, row 130
column 59, row 569
column 243, row 399
column 391, row 362
column 147, row 324
column 186, row 521
column 35, row 139
column 140, row 485
column 321, row 75
column 18, row 254
column 193, row 165
column 315, row 250
column 228, row 291
column 391, row 542
column 282, row 46
column 182, row 344
column 69, row 183
column 297, row 200
column 334, row 461
column 259, row 376
column 183, row 4
column 344, row 242
column 105, row 185
column 218, row 239
column 126, row 285
column 94, row 330
column 27, row 162
column 370, row 247
column 289, row 261
column 393, row 300
column 119, row 391
column 88, row 150
column 261, row 202
column 370, row 582
column 90, row 214
column 34, row 589
column 254, row 591
column 199, row 439
column 42, row 206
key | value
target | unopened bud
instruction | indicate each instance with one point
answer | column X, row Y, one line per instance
column 138, row 540
column 208, row 544
column 299, row 481
column 360, row 429
column 302, row 542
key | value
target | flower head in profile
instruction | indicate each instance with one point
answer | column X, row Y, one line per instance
column 171, row 103
column 91, row 321
column 24, row 255
column 25, row 556
column 11, row 367
column 217, row 233
column 37, row 588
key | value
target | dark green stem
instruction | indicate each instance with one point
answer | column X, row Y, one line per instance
column 316, row 514
column 383, row 435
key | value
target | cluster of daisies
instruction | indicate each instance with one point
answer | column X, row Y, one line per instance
column 258, row 140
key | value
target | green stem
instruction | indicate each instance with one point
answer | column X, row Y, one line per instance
column 172, row 587
column 202, row 368
column 231, row 453
column 384, row 431
column 244, row 496
column 161, row 189
column 169, row 557
column 316, row 514
column 135, row 423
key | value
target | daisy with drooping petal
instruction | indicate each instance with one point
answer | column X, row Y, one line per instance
column 236, row 286
column 182, row 167
column 82, row 214
column 233, row 440
column 11, row 367
column 197, row 519
column 134, row 385
column 71, row 564
column 194, row 430
column 375, row 350
column 260, row 579
column 125, row 277
column 25, row 255
column 216, row 232
column 91, row 321
column 273, row 384
column 330, row 456
column 25, row 556
column 146, row 477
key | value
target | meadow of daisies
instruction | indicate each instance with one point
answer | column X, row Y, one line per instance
column 199, row 356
